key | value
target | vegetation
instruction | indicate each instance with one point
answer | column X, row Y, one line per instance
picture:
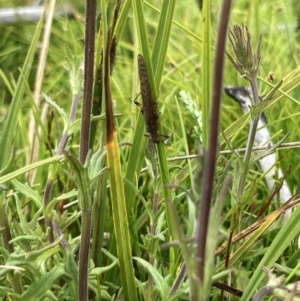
column 127, row 219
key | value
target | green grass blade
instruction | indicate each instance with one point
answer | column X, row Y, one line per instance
column 27, row 168
column 117, row 193
column 120, row 220
column 123, row 17
column 162, row 38
column 282, row 240
column 139, row 141
column 12, row 116
column 158, row 59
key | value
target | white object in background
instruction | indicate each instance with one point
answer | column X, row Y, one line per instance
column 262, row 137
column 29, row 14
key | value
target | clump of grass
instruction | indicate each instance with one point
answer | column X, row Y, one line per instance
column 142, row 226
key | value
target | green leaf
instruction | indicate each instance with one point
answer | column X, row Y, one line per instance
column 160, row 282
column 39, row 290
column 27, row 168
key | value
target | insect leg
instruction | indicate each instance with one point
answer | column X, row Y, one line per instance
column 139, row 104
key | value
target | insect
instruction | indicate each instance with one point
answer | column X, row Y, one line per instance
column 148, row 106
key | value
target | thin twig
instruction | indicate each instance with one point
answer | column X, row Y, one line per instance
column 238, row 150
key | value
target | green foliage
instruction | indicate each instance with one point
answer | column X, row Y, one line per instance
column 159, row 190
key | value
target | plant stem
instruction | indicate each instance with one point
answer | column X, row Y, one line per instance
column 211, row 153
column 89, row 48
column 251, row 137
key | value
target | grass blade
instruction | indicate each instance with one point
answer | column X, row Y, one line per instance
column 12, row 116
column 282, row 240
column 119, row 210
